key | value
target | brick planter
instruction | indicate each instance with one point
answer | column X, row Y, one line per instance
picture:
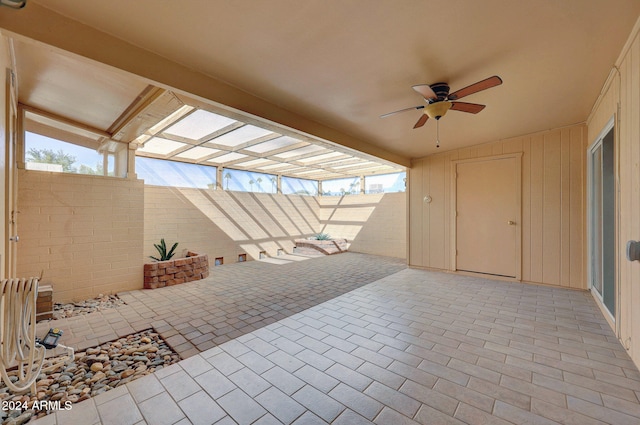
column 175, row 272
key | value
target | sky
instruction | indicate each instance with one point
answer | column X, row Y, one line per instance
column 86, row 156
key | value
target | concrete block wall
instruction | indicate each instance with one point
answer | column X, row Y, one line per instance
column 84, row 233
column 226, row 224
column 375, row 223
column 90, row 234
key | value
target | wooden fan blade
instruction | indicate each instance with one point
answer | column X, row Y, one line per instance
column 472, row 108
column 426, row 91
column 423, row 119
column 474, row 88
column 413, row 108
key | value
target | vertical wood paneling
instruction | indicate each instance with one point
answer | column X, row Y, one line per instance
column 416, row 230
column 551, row 209
column 536, row 199
column 632, row 118
column 552, row 194
column 565, row 207
column 426, row 213
column 624, row 153
column 577, row 193
column 526, row 208
column 447, row 207
column 625, row 90
column 437, row 212
column 497, row 148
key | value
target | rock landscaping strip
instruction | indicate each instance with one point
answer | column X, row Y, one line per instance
column 101, row 302
column 92, row 372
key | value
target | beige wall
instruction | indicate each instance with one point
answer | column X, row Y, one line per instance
column 91, row 235
column 84, row 232
column 553, row 205
column 376, row 223
column 4, row 64
column 226, row 224
column 621, row 96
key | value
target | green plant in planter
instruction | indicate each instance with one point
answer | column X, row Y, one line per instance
column 322, row 237
column 162, row 250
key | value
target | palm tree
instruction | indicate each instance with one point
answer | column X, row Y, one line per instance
column 274, row 181
column 259, row 180
column 227, row 177
column 251, row 182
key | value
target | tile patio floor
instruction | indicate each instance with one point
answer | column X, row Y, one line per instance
column 410, row 347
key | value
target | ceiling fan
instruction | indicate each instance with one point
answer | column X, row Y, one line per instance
column 439, row 100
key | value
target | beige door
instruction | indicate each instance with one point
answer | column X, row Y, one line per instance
column 488, row 215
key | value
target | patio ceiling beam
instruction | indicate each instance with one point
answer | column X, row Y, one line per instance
column 41, row 24
column 63, row 120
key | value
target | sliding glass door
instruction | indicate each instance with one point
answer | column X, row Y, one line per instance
column 602, row 219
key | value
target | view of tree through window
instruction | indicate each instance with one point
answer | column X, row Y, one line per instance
column 249, row 181
column 48, row 154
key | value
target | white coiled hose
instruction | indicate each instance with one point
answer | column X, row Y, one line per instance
column 19, row 348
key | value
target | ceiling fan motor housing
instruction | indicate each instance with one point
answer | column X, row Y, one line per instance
column 441, row 90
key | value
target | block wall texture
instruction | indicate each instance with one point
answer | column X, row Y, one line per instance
column 84, row 233
column 375, row 224
column 92, row 235
column 227, row 224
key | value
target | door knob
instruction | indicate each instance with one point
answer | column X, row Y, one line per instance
column 15, row 238
column 511, row 223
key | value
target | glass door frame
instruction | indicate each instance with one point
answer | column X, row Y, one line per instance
column 591, row 218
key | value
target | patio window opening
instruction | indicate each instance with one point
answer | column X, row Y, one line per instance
column 43, row 153
column 162, row 172
column 341, row 187
column 249, row 181
column 385, row 183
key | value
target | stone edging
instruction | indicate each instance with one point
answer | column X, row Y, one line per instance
column 174, row 272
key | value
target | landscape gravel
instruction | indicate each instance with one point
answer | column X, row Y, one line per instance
column 101, row 302
column 92, row 372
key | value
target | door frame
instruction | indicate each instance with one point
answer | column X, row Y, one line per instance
column 10, row 178
column 454, row 196
column 609, row 126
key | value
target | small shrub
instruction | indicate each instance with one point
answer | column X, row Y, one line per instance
column 322, row 237
column 162, row 250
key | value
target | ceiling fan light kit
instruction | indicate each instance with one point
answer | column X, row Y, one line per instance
column 438, row 109
column 439, row 101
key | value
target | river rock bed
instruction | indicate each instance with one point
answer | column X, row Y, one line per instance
column 101, row 302
column 93, row 371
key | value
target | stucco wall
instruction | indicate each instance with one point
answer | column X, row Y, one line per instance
column 85, row 233
column 553, row 205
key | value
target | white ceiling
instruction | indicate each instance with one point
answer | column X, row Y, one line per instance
column 343, row 63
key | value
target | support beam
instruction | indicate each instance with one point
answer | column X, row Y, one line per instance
column 41, row 24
